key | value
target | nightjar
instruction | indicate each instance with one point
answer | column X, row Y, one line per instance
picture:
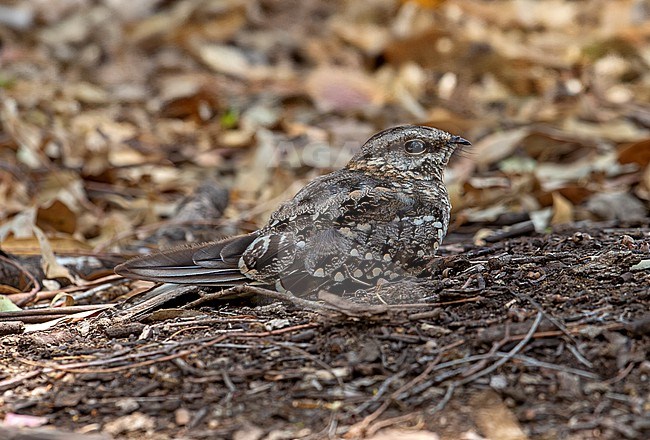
column 383, row 216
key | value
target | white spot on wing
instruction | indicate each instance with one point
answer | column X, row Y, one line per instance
column 364, row 227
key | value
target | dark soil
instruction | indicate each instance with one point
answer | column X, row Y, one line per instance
column 553, row 329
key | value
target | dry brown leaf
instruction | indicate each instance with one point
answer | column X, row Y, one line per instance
column 68, row 300
column 225, row 59
column 635, row 152
column 369, row 37
column 57, row 216
column 6, row 289
column 494, row 419
column 30, row 246
column 420, row 49
column 51, row 267
column 431, row 4
column 340, row 89
column 575, row 193
column 618, row 130
column 497, row 146
column 562, row 210
column 64, row 186
column 220, row 27
column 20, row 226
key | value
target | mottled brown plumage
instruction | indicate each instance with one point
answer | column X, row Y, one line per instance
column 383, row 216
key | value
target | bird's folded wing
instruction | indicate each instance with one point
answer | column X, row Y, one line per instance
column 208, row 264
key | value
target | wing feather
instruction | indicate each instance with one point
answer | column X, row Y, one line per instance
column 196, row 264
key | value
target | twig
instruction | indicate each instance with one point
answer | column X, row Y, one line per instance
column 16, row 315
column 510, row 354
column 246, row 288
column 372, row 430
column 446, row 398
column 576, row 351
column 541, row 364
column 313, row 359
column 90, row 292
column 380, row 392
column 32, row 293
column 204, row 344
column 540, row 309
column 365, row 423
column 49, row 294
column 455, row 384
column 12, row 382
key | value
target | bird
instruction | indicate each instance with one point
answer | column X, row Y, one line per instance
column 380, row 218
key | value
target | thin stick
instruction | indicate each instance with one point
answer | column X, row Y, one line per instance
column 27, row 273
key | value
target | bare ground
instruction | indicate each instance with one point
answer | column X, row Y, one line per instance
column 544, row 336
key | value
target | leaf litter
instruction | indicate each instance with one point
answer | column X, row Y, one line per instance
column 114, row 115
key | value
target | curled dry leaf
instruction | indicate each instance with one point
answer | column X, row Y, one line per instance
column 51, row 267
column 342, row 89
column 57, row 216
column 562, row 210
column 497, row 146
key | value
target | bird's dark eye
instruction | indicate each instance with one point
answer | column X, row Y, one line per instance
column 415, row 147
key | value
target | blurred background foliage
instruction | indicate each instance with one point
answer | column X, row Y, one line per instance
column 112, row 112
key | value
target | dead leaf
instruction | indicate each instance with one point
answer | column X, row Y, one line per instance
column 494, row 419
column 341, row 89
column 68, row 300
column 369, row 37
column 51, row 267
column 23, row 421
column 562, row 210
column 20, row 225
column 497, row 146
column 6, row 305
column 431, row 4
column 30, row 245
column 404, row 434
column 635, row 152
column 225, row 59
column 617, row 206
column 57, row 216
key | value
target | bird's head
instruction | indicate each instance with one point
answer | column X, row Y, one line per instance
column 411, row 151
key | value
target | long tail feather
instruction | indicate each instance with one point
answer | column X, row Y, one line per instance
column 180, row 266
